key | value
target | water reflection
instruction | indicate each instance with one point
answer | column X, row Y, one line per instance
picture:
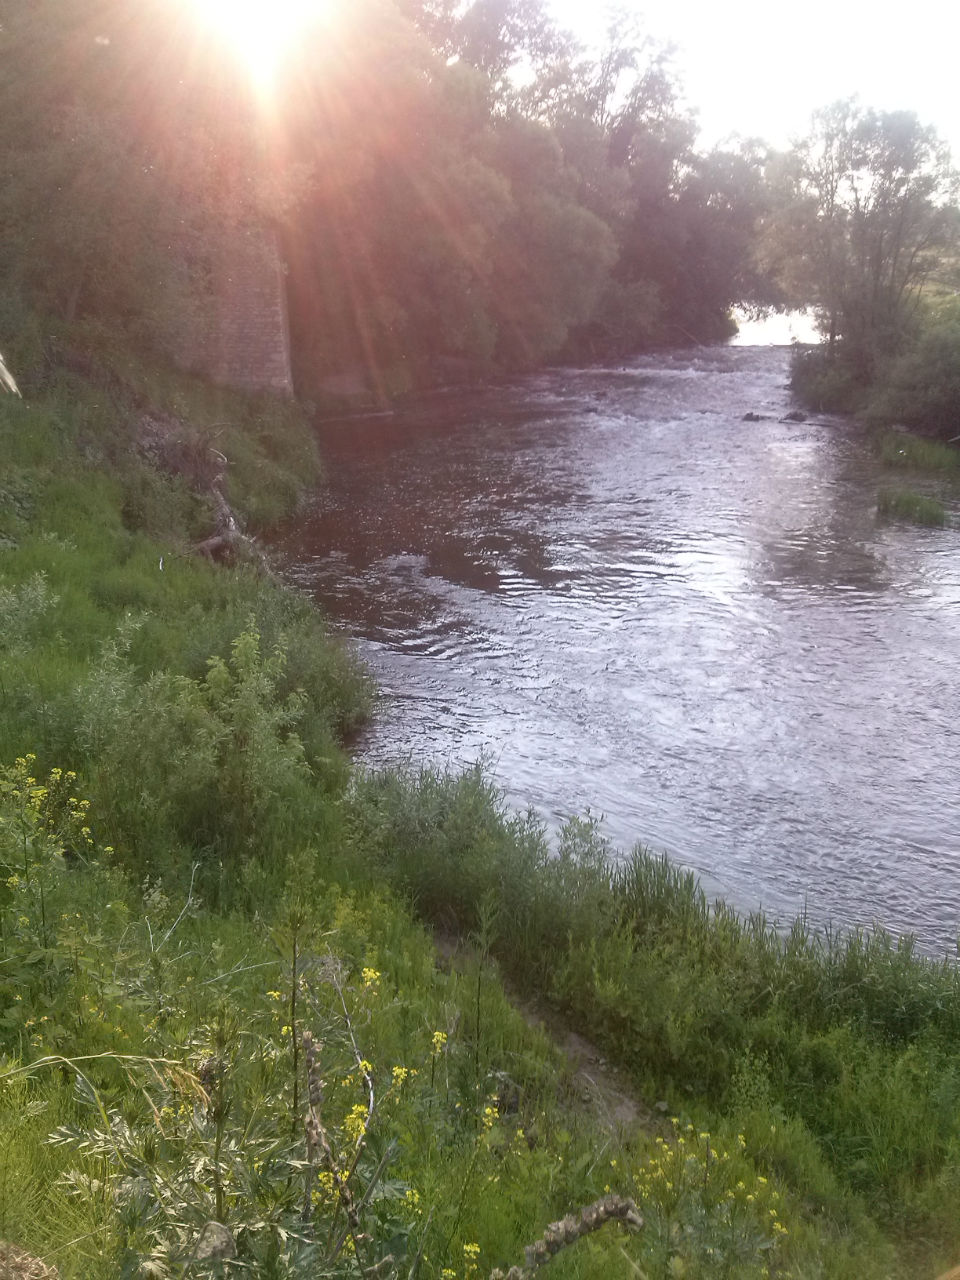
column 639, row 602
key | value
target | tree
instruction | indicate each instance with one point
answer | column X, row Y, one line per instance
column 506, row 40
column 693, row 237
column 867, row 211
column 685, row 223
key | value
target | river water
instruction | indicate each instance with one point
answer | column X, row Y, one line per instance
column 634, row 602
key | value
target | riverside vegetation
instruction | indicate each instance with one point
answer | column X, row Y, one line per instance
column 227, row 1042
column 929, row 405
column 925, row 460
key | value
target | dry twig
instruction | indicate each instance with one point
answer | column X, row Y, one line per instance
column 562, row 1234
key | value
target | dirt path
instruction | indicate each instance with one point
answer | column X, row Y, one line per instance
column 601, row 1088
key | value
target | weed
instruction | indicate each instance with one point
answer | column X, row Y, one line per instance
column 902, row 449
column 904, row 504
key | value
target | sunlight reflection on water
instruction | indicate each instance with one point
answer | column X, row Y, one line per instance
column 636, row 601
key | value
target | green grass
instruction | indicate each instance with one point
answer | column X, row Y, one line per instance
column 156, row 1078
column 95, row 539
column 918, row 508
column 901, row 449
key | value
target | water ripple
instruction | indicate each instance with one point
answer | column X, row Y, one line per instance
column 694, row 625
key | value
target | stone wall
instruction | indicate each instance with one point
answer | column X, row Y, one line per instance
column 243, row 339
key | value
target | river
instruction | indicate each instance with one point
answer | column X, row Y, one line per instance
column 632, row 601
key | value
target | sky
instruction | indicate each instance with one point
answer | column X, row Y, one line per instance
column 760, row 68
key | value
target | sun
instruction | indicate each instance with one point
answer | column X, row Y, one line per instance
column 260, row 31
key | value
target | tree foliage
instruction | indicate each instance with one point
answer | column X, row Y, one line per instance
column 129, row 163
column 452, row 183
column 921, row 387
column 866, row 207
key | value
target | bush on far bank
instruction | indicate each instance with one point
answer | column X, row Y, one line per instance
column 918, row 388
column 922, row 389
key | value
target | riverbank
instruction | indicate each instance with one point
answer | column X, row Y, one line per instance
column 195, row 878
column 911, row 406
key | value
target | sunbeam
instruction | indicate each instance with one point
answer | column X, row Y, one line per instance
column 259, row 33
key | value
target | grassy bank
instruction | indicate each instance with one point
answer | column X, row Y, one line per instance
column 924, row 460
column 822, row 382
column 112, row 622
column 161, row 1080
column 220, row 997
column 836, row 1054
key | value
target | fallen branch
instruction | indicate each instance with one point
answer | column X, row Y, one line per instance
column 562, row 1234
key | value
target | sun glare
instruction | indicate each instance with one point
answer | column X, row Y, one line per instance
column 260, row 31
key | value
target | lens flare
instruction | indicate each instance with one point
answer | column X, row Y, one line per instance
column 260, row 31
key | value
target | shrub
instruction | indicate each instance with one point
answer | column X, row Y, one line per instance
column 922, row 387
column 221, row 770
column 822, row 381
column 708, row 1210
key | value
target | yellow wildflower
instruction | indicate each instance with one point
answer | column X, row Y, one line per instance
column 356, row 1122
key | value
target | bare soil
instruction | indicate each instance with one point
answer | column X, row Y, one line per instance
column 597, row 1085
